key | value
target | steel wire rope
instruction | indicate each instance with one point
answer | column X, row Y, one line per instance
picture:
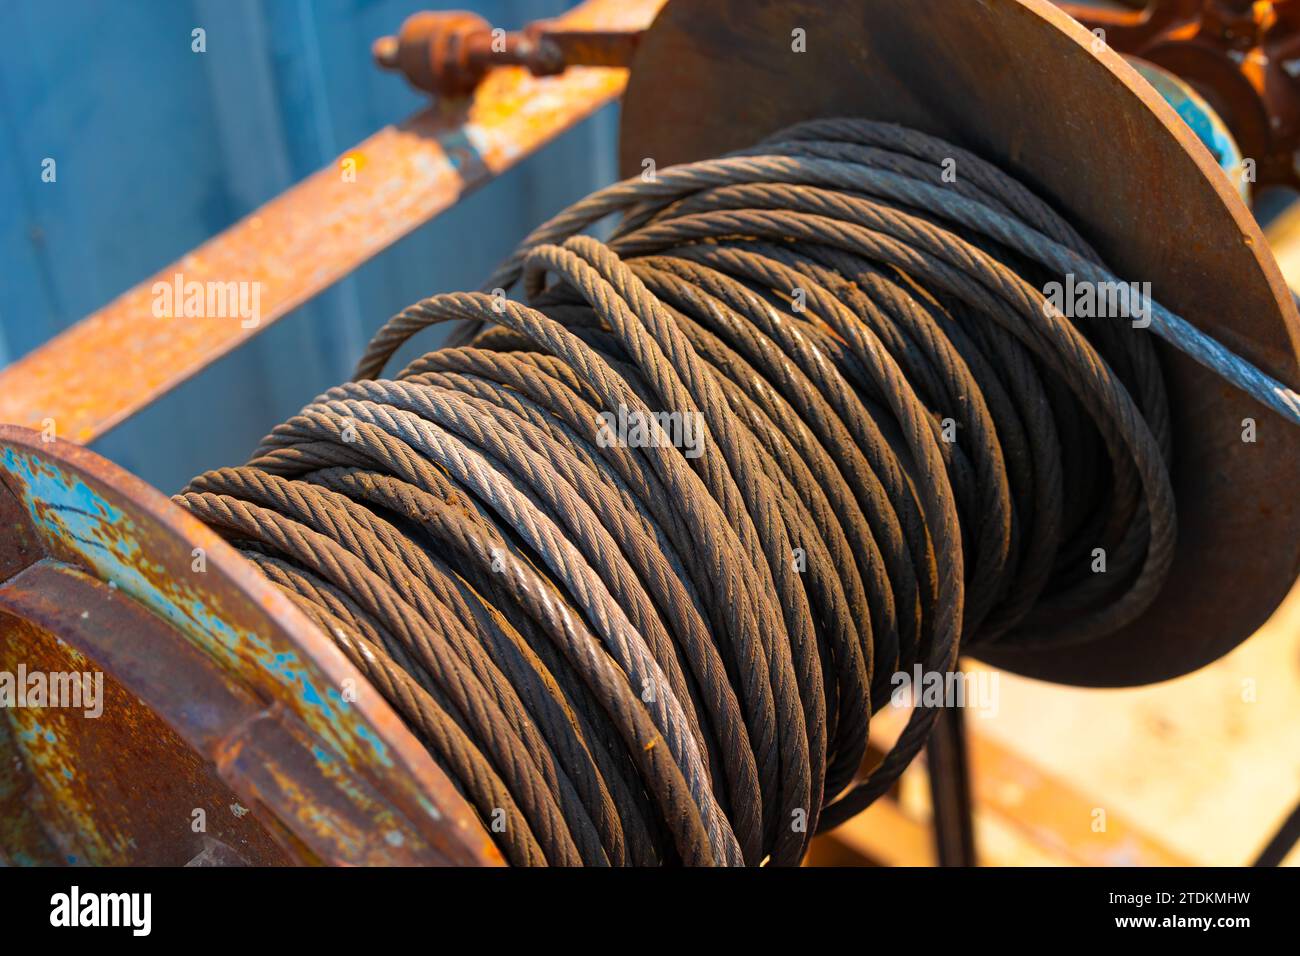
column 624, row 652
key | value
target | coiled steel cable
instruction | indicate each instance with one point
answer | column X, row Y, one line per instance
column 625, row 654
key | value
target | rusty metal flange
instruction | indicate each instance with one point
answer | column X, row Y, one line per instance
column 1026, row 87
column 94, row 559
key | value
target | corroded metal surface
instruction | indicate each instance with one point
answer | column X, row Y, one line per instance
column 448, row 53
column 1200, row 119
column 118, row 789
column 1241, row 55
column 182, row 621
column 1018, row 82
column 121, row 358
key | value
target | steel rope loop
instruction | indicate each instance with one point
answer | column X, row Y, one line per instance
column 623, row 654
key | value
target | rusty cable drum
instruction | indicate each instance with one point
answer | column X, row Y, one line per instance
column 650, row 649
column 609, row 647
column 1022, row 85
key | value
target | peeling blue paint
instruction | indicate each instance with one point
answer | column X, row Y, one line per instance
column 66, row 509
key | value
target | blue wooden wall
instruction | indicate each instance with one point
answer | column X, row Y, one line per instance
column 158, row 147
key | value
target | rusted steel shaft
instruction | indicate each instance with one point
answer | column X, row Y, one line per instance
column 448, row 54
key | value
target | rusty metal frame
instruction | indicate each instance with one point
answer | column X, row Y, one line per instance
column 307, row 238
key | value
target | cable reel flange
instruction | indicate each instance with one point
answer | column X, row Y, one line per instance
column 1026, row 87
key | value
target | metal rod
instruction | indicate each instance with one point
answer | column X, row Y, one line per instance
column 950, row 790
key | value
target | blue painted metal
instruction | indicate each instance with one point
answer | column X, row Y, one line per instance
column 1200, row 118
column 270, row 708
column 158, row 148
column 67, row 510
